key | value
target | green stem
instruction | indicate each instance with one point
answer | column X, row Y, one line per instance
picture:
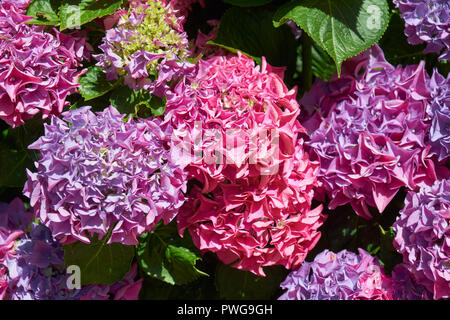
column 307, row 61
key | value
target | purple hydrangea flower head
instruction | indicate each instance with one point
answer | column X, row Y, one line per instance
column 405, row 287
column 145, row 37
column 427, row 21
column 98, row 173
column 338, row 276
column 439, row 111
column 423, row 237
column 37, row 272
column 38, row 70
column 370, row 134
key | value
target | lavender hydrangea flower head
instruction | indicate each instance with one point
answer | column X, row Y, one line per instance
column 148, row 35
column 427, row 21
column 338, row 276
column 98, row 173
column 38, row 70
column 370, row 135
column 439, row 111
column 405, row 287
column 13, row 220
column 37, row 272
column 423, row 237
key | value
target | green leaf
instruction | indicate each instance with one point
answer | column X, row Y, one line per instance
column 124, row 99
column 94, row 83
column 251, row 31
column 99, row 262
column 13, row 165
column 248, row 3
column 322, row 65
column 163, row 255
column 343, row 28
column 15, row 157
column 388, row 255
column 137, row 103
column 75, row 13
column 44, row 12
column 234, row 284
column 157, row 105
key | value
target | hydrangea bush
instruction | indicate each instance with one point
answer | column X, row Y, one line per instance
column 227, row 149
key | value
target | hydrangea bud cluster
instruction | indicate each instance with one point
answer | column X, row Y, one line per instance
column 146, row 36
column 370, row 134
column 254, row 204
column 98, row 173
column 338, row 276
column 427, row 21
column 439, row 111
column 38, row 70
column 423, row 237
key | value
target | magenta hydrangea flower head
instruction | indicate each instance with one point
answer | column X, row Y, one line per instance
column 21, row 4
column 338, row 276
column 98, row 173
column 427, row 21
column 370, row 135
column 439, row 111
column 423, row 237
column 254, row 204
column 145, row 37
column 38, row 70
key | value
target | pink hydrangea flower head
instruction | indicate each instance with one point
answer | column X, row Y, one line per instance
column 38, row 70
column 97, row 173
column 21, row 4
column 254, row 204
column 423, row 237
column 370, row 134
column 145, row 37
column 338, row 276
column 427, row 21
